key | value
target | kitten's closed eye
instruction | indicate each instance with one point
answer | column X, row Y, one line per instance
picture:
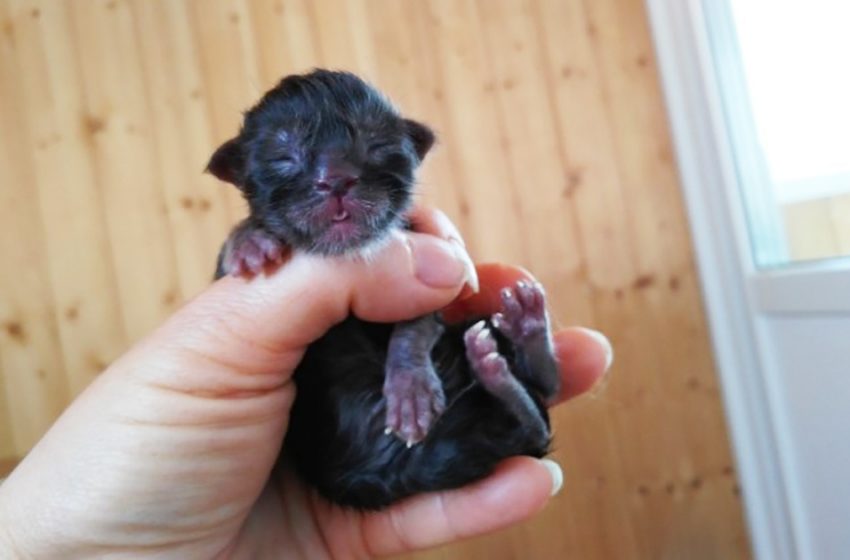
column 280, row 150
column 382, row 148
column 284, row 161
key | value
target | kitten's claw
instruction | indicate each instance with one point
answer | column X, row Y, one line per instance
column 523, row 315
column 250, row 251
column 414, row 400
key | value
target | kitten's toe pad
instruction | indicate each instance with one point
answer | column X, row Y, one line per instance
column 490, row 368
column 414, row 400
column 251, row 252
column 523, row 315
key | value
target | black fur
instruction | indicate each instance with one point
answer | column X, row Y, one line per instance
column 336, row 441
column 336, row 434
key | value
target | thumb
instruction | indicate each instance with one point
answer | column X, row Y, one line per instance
column 263, row 325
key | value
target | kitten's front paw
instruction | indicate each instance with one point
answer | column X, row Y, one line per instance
column 523, row 315
column 414, row 400
column 250, row 251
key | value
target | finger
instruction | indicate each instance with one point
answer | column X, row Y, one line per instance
column 585, row 357
column 425, row 219
column 492, row 277
column 518, row 489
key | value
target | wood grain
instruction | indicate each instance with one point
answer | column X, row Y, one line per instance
column 553, row 154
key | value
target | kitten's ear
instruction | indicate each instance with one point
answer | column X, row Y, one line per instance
column 228, row 162
column 422, row 136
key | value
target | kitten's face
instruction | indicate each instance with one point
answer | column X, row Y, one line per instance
column 325, row 162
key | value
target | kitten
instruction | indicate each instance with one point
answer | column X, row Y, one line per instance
column 327, row 166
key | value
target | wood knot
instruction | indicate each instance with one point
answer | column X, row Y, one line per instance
column 16, row 331
column 169, row 298
column 93, row 125
column 9, row 30
column 575, row 177
column 72, row 313
column 674, row 283
column 96, row 363
column 643, row 281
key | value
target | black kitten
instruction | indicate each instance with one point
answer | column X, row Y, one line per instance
column 327, row 166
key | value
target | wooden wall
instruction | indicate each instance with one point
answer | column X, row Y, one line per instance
column 554, row 154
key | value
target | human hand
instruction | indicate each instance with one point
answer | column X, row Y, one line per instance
column 169, row 453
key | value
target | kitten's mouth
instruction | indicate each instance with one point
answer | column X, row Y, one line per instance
column 342, row 224
column 340, row 216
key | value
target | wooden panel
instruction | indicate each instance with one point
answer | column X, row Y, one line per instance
column 34, row 373
column 553, row 153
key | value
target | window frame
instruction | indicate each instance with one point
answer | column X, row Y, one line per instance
column 739, row 296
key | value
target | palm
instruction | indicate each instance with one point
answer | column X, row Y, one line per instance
column 289, row 518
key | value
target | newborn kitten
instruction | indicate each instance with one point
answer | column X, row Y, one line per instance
column 327, row 166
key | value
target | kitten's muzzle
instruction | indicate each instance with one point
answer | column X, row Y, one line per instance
column 336, row 176
column 337, row 185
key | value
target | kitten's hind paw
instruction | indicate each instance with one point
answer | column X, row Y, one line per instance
column 414, row 401
column 489, row 367
column 523, row 315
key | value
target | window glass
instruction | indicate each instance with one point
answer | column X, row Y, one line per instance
column 785, row 75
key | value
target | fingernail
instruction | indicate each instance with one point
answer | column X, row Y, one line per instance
column 605, row 343
column 471, row 273
column 556, row 473
column 438, row 263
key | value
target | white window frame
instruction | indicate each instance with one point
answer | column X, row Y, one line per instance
column 688, row 34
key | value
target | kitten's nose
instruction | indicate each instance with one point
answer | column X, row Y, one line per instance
column 336, row 184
